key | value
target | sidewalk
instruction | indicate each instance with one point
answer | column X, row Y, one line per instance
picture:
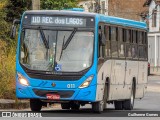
column 12, row 104
column 155, row 70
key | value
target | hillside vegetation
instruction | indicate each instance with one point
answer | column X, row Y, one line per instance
column 9, row 10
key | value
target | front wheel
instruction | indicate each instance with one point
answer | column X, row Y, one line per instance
column 97, row 107
column 65, row 106
column 35, row 105
column 75, row 106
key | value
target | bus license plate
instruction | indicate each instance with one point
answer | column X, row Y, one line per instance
column 53, row 96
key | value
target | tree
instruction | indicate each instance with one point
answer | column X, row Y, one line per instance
column 58, row 4
column 7, row 56
column 15, row 8
column 4, row 27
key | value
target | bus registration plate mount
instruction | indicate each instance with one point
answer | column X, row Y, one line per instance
column 53, row 96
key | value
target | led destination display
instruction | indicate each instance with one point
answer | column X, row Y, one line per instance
column 59, row 21
column 67, row 21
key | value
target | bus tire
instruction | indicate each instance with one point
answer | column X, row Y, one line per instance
column 118, row 105
column 65, row 105
column 35, row 105
column 97, row 107
column 129, row 104
column 75, row 106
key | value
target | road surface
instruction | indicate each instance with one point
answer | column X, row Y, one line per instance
column 151, row 102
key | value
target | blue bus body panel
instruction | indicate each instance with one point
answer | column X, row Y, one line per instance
column 85, row 94
column 123, row 22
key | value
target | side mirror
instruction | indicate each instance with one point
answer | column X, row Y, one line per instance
column 13, row 28
column 13, row 32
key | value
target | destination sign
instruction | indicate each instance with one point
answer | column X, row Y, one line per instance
column 58, row 21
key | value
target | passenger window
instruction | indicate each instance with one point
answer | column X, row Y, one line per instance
column 134, row 51
column 108, row 43
column 145, row 45
column 128, row 44
column 128, row 36
column 144, row 38
column 108, row 49
column 142, row 45
column 121, row 44
column 141, row 52
column 140, row 37
column 134, row 37
column 114, row 43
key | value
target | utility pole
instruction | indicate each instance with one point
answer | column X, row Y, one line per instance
column 35, row 4
column 97, row 7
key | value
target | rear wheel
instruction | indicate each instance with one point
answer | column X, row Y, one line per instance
column 129, row 104
column 118, row 105
column 65, row 106
column 35, row 105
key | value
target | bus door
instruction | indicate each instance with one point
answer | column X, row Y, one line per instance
column 131, row 64
column 118, row 63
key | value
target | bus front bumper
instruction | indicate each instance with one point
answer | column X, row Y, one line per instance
column 77, row 94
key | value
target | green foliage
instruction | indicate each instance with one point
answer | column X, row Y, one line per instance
column 7, row 56
column 58, row 4
column 15, row 8
column 3, row 24
column 9, row 10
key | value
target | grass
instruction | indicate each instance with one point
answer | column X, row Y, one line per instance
column 7, row 71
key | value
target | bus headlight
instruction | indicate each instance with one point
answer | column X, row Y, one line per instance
column 87, row 82
column 22, row 80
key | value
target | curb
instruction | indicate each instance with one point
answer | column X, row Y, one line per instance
column 12, row 104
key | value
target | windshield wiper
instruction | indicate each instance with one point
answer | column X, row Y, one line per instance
column 44, row 38
column 62, row 49
column 69, row 39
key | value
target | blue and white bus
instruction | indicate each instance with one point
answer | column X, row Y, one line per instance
column 78, row 58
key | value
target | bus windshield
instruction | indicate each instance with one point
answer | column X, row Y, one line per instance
column 56, row 50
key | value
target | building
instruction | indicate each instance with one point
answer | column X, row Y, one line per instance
column 98, row 6
column 154, row 33
column 129, row 9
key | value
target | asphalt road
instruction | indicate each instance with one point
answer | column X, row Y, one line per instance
column 150, row 103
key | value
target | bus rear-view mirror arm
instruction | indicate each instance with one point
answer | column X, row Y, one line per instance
column 13, row 28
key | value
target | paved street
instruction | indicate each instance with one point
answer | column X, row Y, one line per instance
column 151, row 102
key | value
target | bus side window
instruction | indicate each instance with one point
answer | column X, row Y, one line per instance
column 114, row 45
column 145, row 46
column 128, row 45
column 134, row 45
column 121, row 47
column 141, row 46
column 101, row 48
column 108, row 44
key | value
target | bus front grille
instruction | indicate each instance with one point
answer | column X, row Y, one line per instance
column 62, row 93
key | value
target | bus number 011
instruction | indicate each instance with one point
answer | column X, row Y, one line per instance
column 70, row 85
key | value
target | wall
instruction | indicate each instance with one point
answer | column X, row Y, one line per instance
column 129, row 9
column 89, row 6
column 151, row 7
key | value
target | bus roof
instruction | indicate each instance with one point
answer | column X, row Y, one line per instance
column 123, row 22
column 61, row 12
column 102, row 18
